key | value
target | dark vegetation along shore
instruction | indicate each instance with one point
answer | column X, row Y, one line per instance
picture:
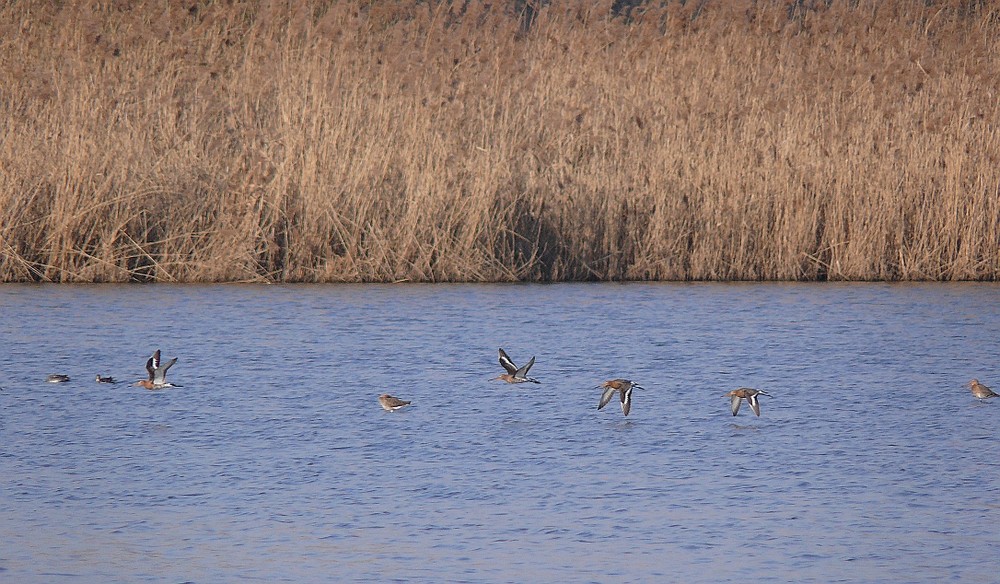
column 436, row 141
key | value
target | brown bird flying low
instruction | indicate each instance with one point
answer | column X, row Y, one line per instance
column 157, row 373
column 514, row 373
column 624, row 387
column 737, row 396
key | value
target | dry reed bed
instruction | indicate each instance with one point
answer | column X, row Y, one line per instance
column 388, row 141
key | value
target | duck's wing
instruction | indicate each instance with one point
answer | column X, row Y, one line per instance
column 152, row 363
column 523, row 371
column 606, row 397
column 626, row 400
column 507, row 364
column 734, row 404
column 161, row 372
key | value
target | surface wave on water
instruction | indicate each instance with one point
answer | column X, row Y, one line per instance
column 274, row 462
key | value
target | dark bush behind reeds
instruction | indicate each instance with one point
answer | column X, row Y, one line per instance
column 470, row 141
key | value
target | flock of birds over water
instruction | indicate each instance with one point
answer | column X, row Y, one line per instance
column 157, row 379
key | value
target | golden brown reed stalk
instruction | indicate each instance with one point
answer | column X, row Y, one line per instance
column 429, row 141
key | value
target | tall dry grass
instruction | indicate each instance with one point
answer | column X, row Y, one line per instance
column 431, row 141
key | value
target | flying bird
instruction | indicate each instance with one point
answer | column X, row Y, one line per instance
column 624, row 387
column 737, row 396
column 514, row 373
column 157, row 373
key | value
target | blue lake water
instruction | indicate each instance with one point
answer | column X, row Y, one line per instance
column 274, row 461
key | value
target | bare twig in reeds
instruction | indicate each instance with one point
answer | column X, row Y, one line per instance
column 437, row 141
